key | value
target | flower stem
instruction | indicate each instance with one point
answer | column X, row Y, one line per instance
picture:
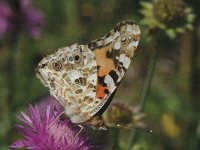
column 12, row 73
column 12, row 81
column 115, row 139
column 145, row 93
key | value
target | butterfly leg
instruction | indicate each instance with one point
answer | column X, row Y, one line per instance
column 56, row 119
column 81, row 128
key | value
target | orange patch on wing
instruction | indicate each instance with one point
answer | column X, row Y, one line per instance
column 101, row 91
column 105, row 64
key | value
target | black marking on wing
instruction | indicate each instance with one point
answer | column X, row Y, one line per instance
column 120, row 24
column 106, row 91
column 92, row 45
column 115, row 52
column 97, row 44
column 105, row 106
column 98, row 67
column 121, row 67
column 117, row 28
column 101, row 81
column 115, row 55
column 109, row 54
column 108, row 34
column 114, row 75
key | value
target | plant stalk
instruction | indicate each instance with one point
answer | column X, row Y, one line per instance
column 115, row 139
column 12, row 64
column 145, row 93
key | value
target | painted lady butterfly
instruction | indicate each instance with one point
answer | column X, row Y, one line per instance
column 84, row 78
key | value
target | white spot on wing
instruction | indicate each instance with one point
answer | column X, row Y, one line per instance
column 74, row 75
column 116, row 34
column 109, row 81
column 136, row 29
column 133, row 44
column 129, row 28
column 117, row 45
column 121, row 57
column 108, row 40
column 92, row 78
column 126, row 62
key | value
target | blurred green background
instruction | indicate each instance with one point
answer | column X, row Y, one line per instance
column 170, row 39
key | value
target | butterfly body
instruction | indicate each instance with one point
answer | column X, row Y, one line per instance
column 84, row 78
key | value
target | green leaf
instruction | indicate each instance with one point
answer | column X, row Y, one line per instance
column 188, row 10
column 140, row 146
column 149, row 22
column 146, row 13
column 179, row 30
column 146, row 5
column 170, row 33
column 189, row 26
column 162, row 26
column 190, row 17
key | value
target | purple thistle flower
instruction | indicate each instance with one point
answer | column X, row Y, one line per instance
column 5, row 17
column 52, row 102
column 32, row 18
column 41, row 131
column 27, row 18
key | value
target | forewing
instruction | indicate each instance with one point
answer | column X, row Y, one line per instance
column 113, row 55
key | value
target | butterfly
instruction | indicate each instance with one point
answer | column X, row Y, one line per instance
column 84, row 78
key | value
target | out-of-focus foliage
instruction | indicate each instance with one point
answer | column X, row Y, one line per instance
column 121, row 114
column 172, row 104
column 169, row 125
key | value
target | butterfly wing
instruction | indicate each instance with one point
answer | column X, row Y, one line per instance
column 113, row 55
column 71, row 75
column 85, row 86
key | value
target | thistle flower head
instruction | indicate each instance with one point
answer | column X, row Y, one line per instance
column 169, row 13
column 123, row 114
column 5, row 17
column 24, row 18
column 169, row 17
column 42, row 130
column 32, row 18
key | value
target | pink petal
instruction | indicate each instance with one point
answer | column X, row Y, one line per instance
column 17, row 144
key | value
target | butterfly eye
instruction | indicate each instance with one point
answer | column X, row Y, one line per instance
column 123, row 39
column 77, row 58
column 57, row 65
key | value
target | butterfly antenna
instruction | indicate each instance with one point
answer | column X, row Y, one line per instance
column 56, row 119
column 129, row 127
